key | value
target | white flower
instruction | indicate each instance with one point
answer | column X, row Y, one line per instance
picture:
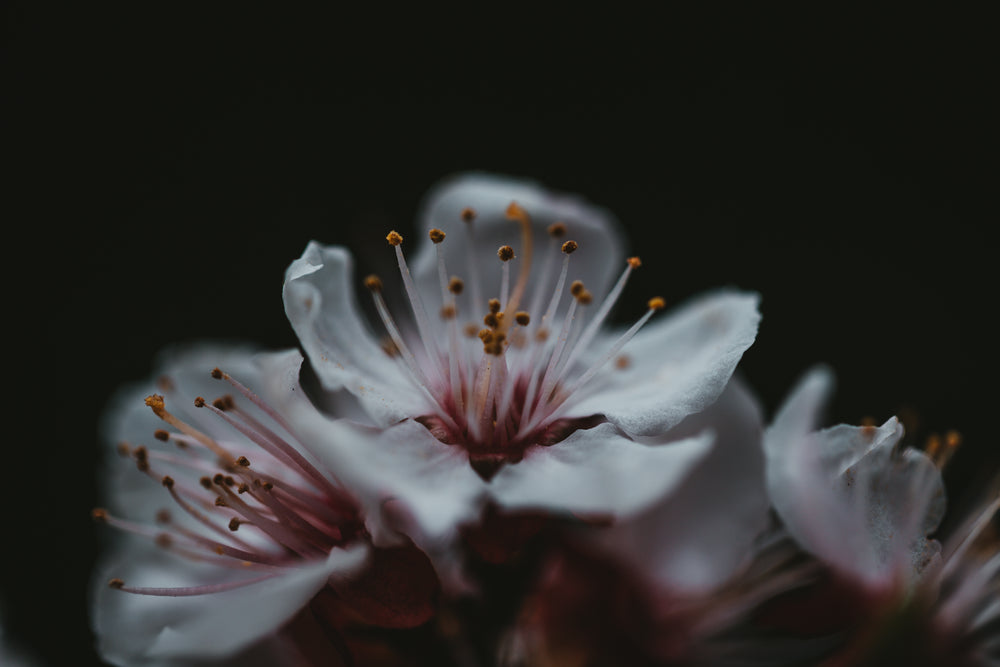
column 867, row 508
column 508, row 386
column 849, row 494
column 239, row 530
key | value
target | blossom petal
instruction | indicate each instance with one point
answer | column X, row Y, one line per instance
column 141, row 629
column 597, row 471
column 678, row 366
column 717, row 511
column 847, row 494
column 598, row 260
column 401, row 468
column 320, row 304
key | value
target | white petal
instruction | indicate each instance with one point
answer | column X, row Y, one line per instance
column 139, row 629
column 678, row 365
column 699, row 536
column 597, row 471
column 597, row 262
column 320, row 304
column 401, row 469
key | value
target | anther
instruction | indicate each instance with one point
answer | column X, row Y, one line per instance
column 168, row 481
column 220, row 501
column 491, row 320
column 634, row 262
column 243, row 461
column 485, row 335
column 448, row 312
column 161, row 435
column 224, row 403
column 234, row 524
column 124, row 449
column 557, row 230
column 217, row 374
column 570, row 247
column 505, row 253
column 116, row 583
column 199, row 402
column 952, row 439
column 394, row 238
column 657, row 303
column 162, row 516
column 373, row 283
column 515, row 212
column 156, row 403
column 436, row 235
column 622, row 362
column 576, row 288
column 229, row 480
column 494, row 305
column 389, row 347
column 243, row 488
column 522, row 318
column 471, row 330
column 219, row 479
column 99, row 514
column 164, row 541
column 584, row 297
column 468, row 214
column 206, row 482
column 455, row 285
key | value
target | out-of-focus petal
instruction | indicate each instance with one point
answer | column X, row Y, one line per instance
column 700, row 535
column 152, row 630
column 599, row 259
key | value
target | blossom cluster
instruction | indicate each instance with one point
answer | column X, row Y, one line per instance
column 469, row 464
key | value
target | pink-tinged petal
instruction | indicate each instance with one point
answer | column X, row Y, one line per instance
column 321, row 306
column 675, row 367
column 700, row 535
column 597, row 262
column 154, row 630
column 597, row 472
column 399, row 469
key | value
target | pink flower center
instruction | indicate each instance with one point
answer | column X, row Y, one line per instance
column 503, row 381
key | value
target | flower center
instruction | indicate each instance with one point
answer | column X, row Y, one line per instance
column 503, row 379
column 259, row 516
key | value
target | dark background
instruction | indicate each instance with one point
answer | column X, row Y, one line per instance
column 168, row 165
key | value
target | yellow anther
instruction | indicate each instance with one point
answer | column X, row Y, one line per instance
column 657, row 303
column 394, row 238
column 436, row 235
column 505, row 253
column 570, row 247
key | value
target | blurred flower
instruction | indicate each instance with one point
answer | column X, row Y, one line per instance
column 508, row 388
column 664, row 586
column 866, row 507
column 243, row 547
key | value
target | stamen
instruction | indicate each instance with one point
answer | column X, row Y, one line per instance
column 188, row 590
column 598, row 320
column 156, row 403
column 416, row 303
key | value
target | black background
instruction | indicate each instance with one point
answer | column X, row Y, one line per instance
column 169, row 164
